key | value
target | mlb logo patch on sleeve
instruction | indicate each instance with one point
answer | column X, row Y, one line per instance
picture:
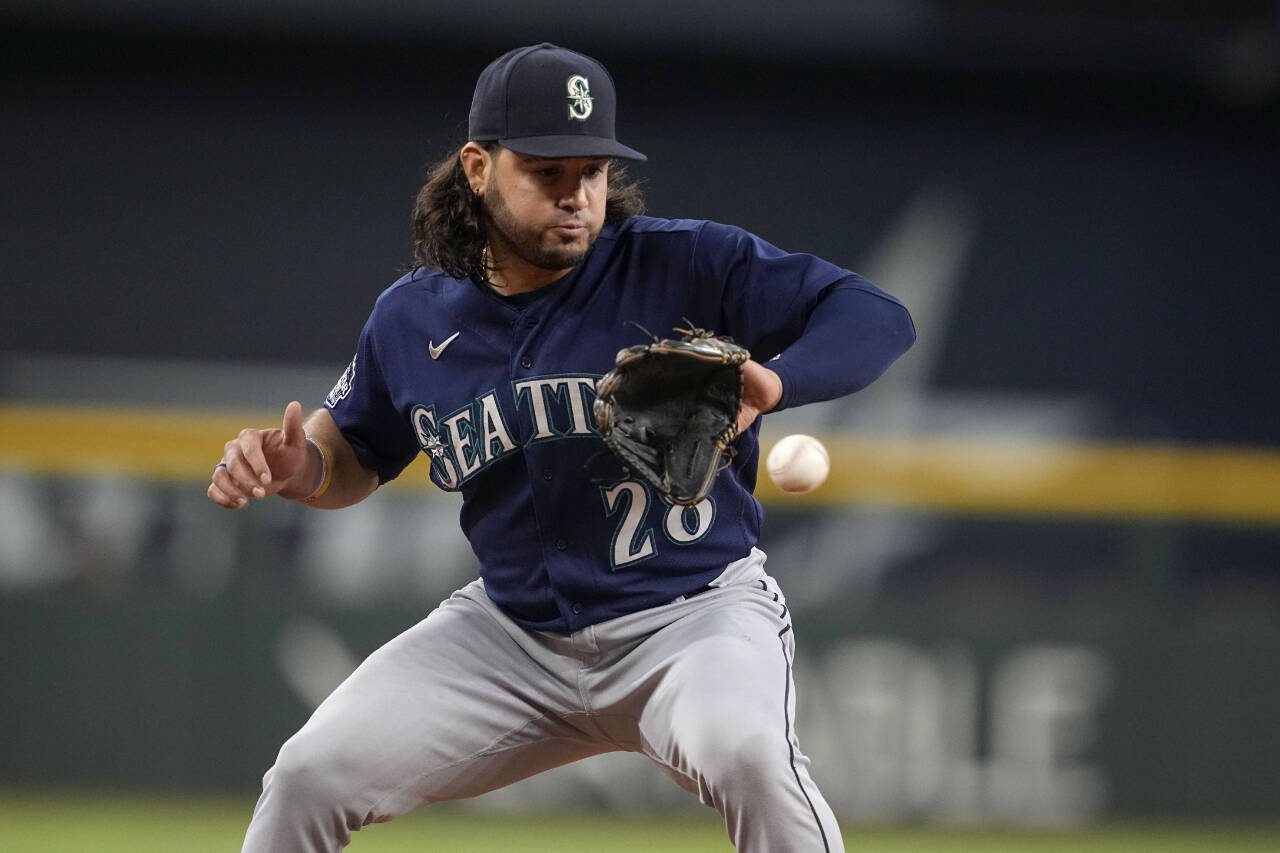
column 343, row 388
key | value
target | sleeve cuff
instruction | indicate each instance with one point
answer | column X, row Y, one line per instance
column 780, row 367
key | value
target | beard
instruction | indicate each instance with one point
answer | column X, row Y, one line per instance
column 533, row 245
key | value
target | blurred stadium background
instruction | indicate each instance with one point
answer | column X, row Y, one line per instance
column 1041, row 589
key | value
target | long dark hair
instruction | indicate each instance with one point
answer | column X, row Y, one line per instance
column 448, row 227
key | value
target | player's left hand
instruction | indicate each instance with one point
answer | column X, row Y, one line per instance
column 762, row 389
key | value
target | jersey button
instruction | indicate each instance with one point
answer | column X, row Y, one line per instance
column 562, row 543
column 526, row 362
column 547, row 473
column 531, row 321
column 577, row 608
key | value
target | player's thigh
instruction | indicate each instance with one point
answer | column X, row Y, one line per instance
column 451, row 705
column 725, row 691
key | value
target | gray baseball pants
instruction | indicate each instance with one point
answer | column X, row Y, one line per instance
column 467, row 701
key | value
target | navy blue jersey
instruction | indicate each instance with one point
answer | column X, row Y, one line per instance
column 498, row 391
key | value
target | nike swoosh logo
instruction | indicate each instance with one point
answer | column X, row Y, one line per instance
column 436, row 350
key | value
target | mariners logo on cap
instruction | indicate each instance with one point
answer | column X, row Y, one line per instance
column 579, row 97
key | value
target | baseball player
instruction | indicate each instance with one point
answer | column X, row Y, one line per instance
column 604, row 618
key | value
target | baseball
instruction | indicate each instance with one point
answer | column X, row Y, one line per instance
column 798, row 463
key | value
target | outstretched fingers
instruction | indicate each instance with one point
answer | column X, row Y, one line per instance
column 258, row 462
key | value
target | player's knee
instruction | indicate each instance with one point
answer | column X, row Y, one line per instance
column 304, row 778
column 743, row 752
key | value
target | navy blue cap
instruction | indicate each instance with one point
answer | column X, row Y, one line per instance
column 547, row 101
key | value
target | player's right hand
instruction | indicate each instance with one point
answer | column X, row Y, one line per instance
column 261, row 462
